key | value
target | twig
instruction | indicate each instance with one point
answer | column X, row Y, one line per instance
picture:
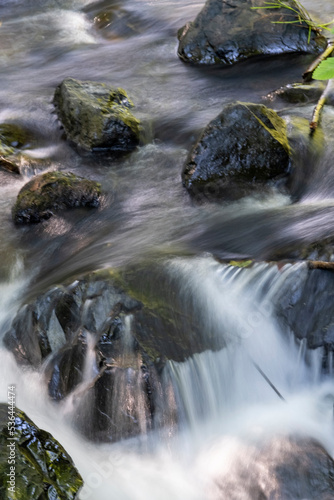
column 320, row 104
column 319, row 264
column 267, row 380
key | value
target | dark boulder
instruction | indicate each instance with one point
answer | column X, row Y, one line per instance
column 53, row 191
column 96, row 116
column 244, row 147
column 228, row 31
column 42, row 468
column 104, row 340
column 84, row 337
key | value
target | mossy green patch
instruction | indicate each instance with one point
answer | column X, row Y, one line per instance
column 43, row 469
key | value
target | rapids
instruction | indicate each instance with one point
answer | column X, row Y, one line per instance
column 226, row 409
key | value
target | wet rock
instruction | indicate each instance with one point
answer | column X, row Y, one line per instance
column 284, row 467
column 244, row 147
column 42, row 328
column 228, row 31
column 304, row 306
column 298, row 93
column 13, row 139
column 82, row 334
column 96, row 116
column 51, row 192
column 103, row 341
column 43, row 469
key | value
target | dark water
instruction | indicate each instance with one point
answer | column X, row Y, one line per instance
column 145, row 210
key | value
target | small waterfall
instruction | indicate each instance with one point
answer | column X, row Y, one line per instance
column 214, row 387
column 233, row 428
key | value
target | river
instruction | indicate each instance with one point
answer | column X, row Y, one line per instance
column 227, row 406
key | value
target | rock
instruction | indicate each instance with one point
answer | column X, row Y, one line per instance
column 83, row 334
column 308, row 318
column 298, row 93
column 103, row 341
column 96, row 116
column 304, row 306
column 284, row 467
column 43, row 469
column 244, row 147
column 229, row 31
column 12, row 140
column 53, row 191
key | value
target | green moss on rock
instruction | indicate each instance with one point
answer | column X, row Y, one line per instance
column 53, row 191
column 43, row 469
column 96, row 116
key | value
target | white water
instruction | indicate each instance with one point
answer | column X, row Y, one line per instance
column 227, row 409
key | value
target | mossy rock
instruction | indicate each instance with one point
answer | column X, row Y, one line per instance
column 12, row 140
column 242, row 149
column 43, row 469
column 226, row 32
column 53, row 191
column 96, row 116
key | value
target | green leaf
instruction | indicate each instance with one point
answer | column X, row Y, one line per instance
column 325, row 70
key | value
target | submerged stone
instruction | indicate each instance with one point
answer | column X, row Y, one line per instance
column 40, row 468
column 53, row 191
column 244, row 147
column 282, row 467
column 114, row 21
column 298, row 93
column 228, row 31
column 96, row 116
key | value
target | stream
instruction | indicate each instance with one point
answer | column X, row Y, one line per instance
column 228, row 413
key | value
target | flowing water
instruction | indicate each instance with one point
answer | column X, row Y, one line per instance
column 226, row 408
